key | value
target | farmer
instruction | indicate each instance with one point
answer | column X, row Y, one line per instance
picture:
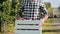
column 32, row 10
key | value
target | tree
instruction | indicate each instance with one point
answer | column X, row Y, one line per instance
column 48, row 5
column 1, row 1
column 15, row 6
column 5, row 9
column 1, row 10
column 50, row 11
column 59, row 8
column 8, row 11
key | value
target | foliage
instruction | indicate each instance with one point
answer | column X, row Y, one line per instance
column 48, row 5
column 1, row 1
column 50, row 11
column 8, row 11
column 59, row 8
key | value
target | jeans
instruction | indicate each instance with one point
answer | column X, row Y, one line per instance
column 27, row 27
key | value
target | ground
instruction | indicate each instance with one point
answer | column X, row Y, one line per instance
column 53, row 27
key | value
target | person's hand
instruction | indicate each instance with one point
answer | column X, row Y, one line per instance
column 21, row 18
column 41, row 23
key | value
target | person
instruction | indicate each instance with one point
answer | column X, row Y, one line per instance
column 32, row 10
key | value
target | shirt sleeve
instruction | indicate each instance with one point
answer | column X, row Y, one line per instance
column 42, row 9
column 21, row 9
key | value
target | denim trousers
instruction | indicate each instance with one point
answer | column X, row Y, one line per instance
column 27, row 27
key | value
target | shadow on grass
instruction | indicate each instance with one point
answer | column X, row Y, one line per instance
column 58, row 30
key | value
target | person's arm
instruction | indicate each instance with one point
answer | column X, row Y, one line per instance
column 44, row 14
column 43, row 19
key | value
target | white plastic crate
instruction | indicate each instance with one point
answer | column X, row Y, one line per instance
column 27, row 27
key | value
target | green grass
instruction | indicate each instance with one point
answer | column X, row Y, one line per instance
column 10, row 27
column 48, row 28
column 47, row 24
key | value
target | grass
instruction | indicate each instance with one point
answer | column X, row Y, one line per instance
column 49, row 29
column 47, row 26
column 10, row 27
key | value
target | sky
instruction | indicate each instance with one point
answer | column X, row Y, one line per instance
column 54, row 3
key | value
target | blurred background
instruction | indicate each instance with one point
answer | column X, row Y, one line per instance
column 9, row 9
